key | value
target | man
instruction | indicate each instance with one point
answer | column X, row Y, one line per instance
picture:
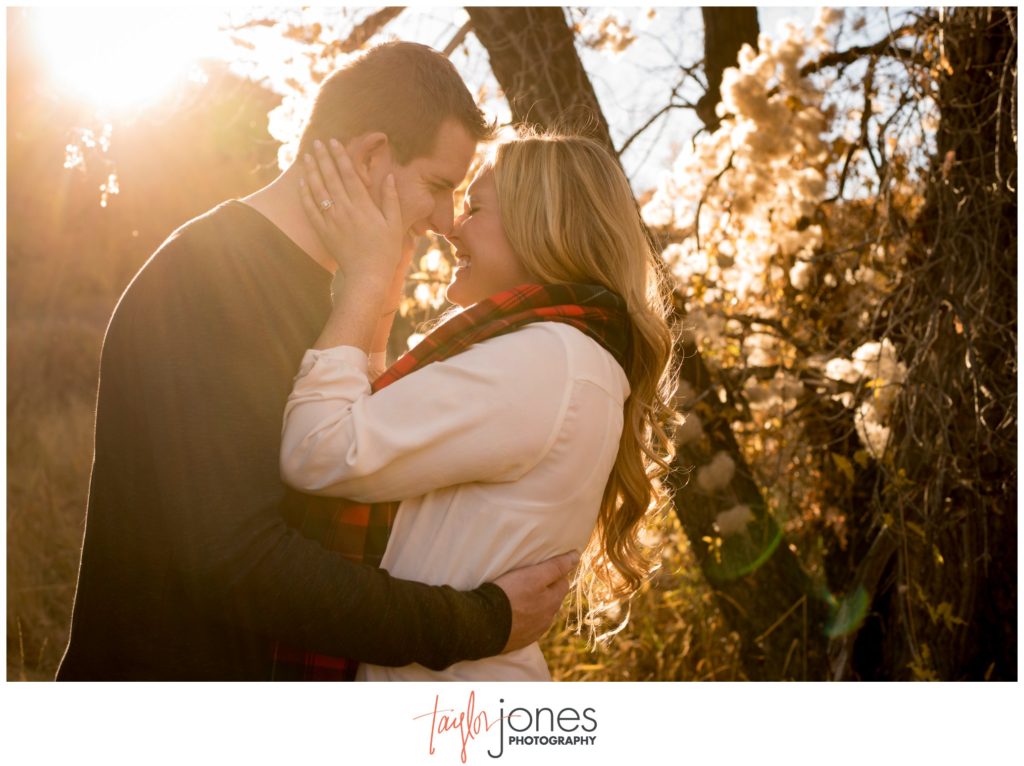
column 189, row 569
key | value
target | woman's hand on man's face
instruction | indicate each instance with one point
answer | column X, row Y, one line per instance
column 366, row 240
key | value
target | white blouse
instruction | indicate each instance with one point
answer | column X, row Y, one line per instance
column 499, row 454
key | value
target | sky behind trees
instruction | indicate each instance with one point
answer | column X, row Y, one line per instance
column 132, row 58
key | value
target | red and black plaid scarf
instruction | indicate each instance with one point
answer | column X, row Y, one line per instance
column 360, row 531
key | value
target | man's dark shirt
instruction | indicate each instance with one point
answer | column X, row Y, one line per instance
column 189, row 570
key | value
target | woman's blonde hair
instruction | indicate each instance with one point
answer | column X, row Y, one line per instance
column 569, row 213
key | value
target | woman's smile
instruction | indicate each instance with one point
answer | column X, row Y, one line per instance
column 481, row 248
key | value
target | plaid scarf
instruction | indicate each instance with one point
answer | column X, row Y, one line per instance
column 360, row 531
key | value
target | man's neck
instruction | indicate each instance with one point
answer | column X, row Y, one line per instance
column 279, row 202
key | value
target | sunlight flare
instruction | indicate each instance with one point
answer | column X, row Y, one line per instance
column 123, row 58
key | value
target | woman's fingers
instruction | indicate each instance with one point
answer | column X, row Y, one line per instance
column 353, row 184
column 359, row 234
column 343, row 185
column 310, row 206
column 389, row 202
column 315, row 182
column 337, row 191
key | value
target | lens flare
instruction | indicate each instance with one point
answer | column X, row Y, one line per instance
column 116, row 59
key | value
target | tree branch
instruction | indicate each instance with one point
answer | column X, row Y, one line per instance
column 456, row 41
column 672, row 104
column 775, row 324
column 884, row 47
column 654, row 118
column 366, row 29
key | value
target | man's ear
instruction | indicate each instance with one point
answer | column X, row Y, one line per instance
column 371, row 156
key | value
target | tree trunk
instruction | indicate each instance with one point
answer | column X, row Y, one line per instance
column 952, row 610
column 533, row 56
column 761, row 588
column 726, row 29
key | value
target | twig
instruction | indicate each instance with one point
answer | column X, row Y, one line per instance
column 456, row 41
column 700, row 203
column 365, row 30
column 884, row 47
column 672, row 104
column 782, row 618
column 668, row 107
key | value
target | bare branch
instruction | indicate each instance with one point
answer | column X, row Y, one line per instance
column 781, row 331
column 672, row 104
column 703, row 197
column 366, row 29
column 456, row 41
column 653, row 119
column 884, row 47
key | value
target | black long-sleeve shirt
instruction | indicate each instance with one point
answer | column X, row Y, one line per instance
column 189, row 570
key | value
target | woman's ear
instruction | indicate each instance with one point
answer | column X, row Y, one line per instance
column 371, row 156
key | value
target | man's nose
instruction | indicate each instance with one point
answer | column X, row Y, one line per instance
column 442, row 221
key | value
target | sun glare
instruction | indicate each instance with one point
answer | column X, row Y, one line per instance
column 118, row 59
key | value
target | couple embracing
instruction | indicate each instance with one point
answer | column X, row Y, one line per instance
column 422, row 521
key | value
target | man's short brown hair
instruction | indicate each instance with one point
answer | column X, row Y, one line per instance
column 404, row 90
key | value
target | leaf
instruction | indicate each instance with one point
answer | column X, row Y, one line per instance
column 793, row 103
column 241, row 43
column 922, row 672
column 844, row 465
column 944, row 612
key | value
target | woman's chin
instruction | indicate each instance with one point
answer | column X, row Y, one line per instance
column 456, row 294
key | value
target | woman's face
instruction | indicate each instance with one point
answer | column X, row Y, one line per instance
column 485, row 261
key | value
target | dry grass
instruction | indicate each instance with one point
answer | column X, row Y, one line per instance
column 49, row 436
column 675, row 631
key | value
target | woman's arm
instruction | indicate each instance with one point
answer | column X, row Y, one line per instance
column 379, row 346
column 488, row 414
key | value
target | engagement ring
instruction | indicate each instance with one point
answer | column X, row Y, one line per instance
column 326, row 204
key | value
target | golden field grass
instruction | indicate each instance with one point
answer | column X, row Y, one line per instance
column 51, row 391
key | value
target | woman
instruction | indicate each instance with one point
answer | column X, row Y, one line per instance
column 523, row 427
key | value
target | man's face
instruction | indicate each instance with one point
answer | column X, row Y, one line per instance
column 426, row 185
